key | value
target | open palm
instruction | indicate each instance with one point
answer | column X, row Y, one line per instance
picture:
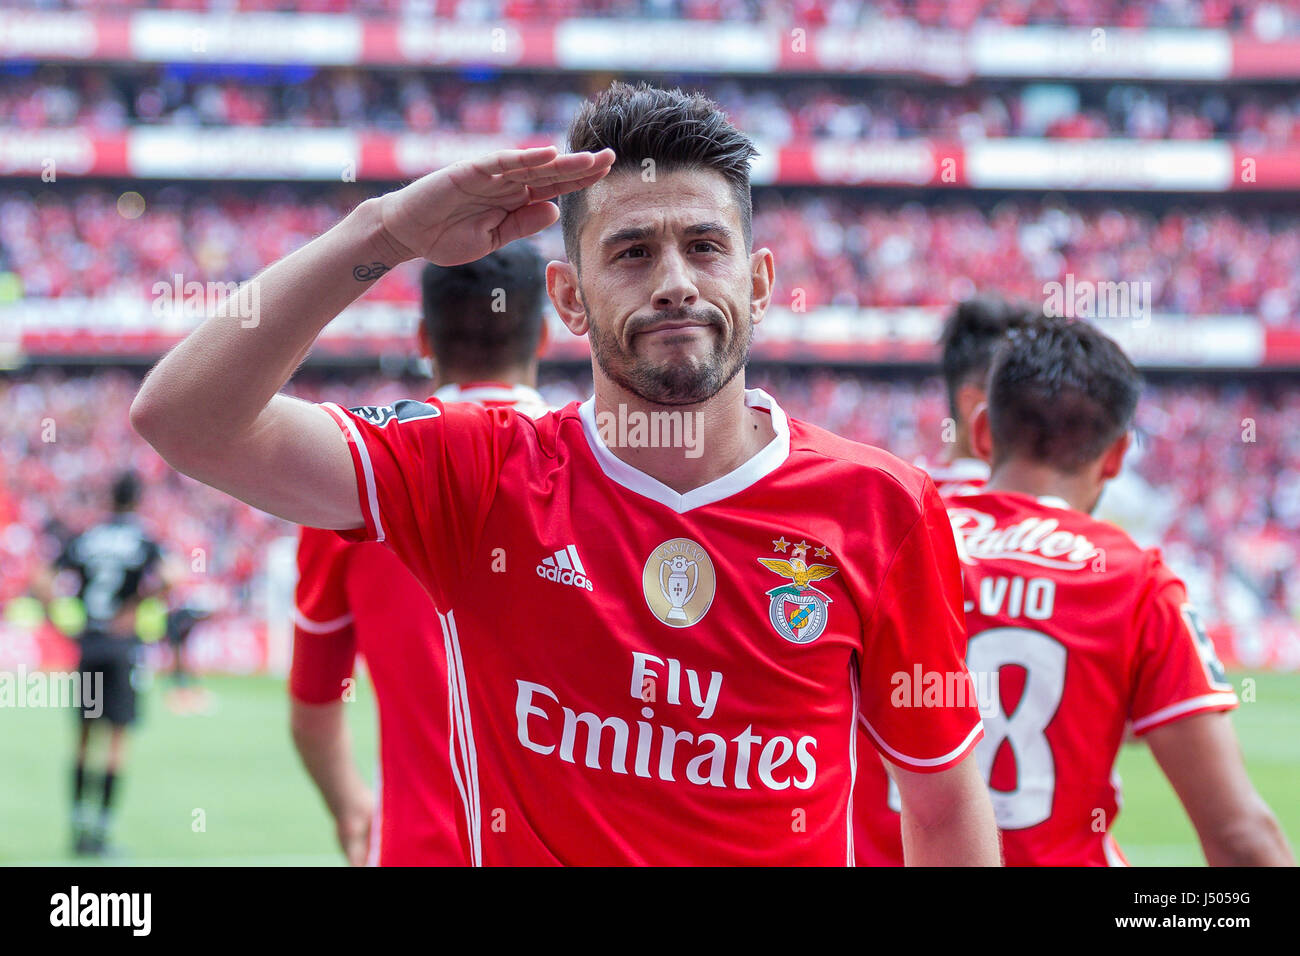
column 465, row 211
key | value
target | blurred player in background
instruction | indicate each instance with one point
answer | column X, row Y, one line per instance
column 185, row 695
column 1076, row 631
column 635, row 705
column 483, row 329
column 973, row 332
column 117, row 564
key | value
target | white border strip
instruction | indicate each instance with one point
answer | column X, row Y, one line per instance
column 920, row 762
column 464, row 734
column 452, row 727
column 853, row 759
column 1183, row 707
column 304, row 623
column 366, row 467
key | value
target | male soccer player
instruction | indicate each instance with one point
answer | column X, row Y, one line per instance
column 973, row 332
column 483, row 327
column 116, row 563
column 664, row 608
column 1075, row 631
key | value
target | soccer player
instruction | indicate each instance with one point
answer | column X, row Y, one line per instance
column 664, row 608
column 974, row 330
column 116, row 563
column 360, row 597
column 1076, row 631
column 185, row 696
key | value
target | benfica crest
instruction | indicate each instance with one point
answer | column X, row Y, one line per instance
column 798, row 610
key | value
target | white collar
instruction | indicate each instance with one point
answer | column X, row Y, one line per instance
column 489, row 392
column 770, row 457
column 967, row 468
column 1052, row 501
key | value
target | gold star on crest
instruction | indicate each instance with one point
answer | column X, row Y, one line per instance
column 822, row 552
column 780, row 544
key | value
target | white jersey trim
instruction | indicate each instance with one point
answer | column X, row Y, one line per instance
column 922, row 761
column 767, row 460
column 367, row 469
column 304, row 623
column 959, row 469
column 853, row 760
column 1183, row 707
column 515, row 394
column 462, row 734
column 1112, row 851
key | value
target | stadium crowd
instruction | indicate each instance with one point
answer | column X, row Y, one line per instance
column 1223, row 461
column 101, row 101
column 830, row 247
column 1267, row 18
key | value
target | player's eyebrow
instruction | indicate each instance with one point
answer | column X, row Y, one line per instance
column 640, row 233
column 709, row 228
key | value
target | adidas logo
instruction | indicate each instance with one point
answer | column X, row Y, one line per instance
column 565, row 567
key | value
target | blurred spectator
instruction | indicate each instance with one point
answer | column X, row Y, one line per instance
column 1266, row 19
column 100, row 100
column 836, row 246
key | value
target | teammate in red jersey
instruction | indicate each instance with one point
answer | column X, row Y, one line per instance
column 360, row 597
column 972, row 334
column 970, row 338
column 664, row 609
column 1075, row 631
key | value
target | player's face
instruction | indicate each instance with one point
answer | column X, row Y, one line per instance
column 667, row 284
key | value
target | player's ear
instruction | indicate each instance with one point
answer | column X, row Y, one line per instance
column 1113, row 460
column 763, row 282
column 969, row 397
column 981, row 432
column 422, row 337
column 566, row 295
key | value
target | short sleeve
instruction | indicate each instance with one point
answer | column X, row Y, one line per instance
column 1176, row 671
column 324, row 643
column 918, row 702
column 426, row 474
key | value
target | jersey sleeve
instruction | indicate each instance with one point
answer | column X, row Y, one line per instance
column 324, row 642
column 426, row 474
column 1176, row 671
column 918, row 702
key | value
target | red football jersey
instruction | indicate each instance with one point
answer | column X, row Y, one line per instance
column 359, row 598
column 961, row 476
column 642, row 676
column 1075, row 632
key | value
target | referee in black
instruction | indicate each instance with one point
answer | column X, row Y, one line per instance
column 118, row 565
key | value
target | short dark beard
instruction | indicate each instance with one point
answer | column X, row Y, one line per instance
column 686, row 384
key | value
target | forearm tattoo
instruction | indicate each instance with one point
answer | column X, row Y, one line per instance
column 367, row 273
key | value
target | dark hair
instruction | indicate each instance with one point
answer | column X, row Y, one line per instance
column 676, row 130
column 972, row 334
column 1060, row 392
column 485, row 316
column 126, row 491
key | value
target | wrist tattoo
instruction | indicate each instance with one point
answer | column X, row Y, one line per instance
column 366, row 273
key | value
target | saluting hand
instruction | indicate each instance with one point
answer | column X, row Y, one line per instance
column 468, row 209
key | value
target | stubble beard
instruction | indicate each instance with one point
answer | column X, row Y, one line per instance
column 682, row 383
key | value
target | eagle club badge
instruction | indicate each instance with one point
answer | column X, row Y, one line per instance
column 798, row 610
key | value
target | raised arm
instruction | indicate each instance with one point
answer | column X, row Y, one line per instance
column 1202, row 760
column 211, row 407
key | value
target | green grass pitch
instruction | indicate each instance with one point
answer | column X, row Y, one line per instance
column 227, row 788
